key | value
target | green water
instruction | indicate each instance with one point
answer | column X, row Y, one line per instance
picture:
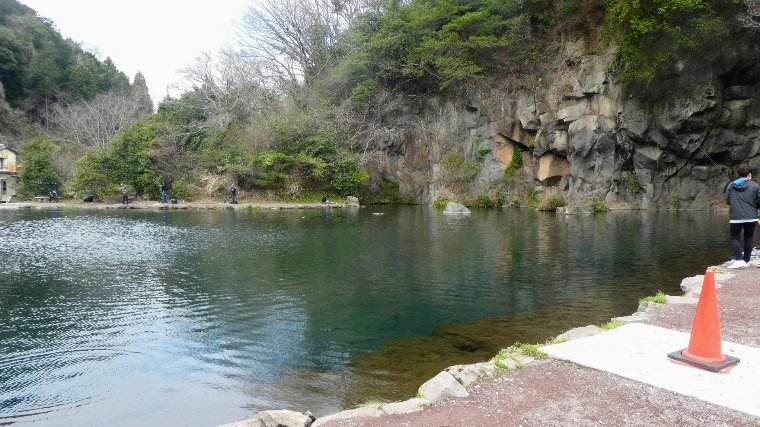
column 202, row 318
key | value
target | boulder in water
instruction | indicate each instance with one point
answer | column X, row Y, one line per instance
column 454, row 208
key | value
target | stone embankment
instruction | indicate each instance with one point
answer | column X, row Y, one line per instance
column 521, row 386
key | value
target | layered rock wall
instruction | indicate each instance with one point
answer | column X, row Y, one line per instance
column 580, row 129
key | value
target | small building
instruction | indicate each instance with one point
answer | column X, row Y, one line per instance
column 8, row 174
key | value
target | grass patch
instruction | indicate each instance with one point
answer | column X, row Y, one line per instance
column 441, row 203
column 551, row 200
column 530, row 350
column 659, row 298
column 515, row 350
column 612, row 325
column 499, row 359
column 491, row 199
column 372, row 404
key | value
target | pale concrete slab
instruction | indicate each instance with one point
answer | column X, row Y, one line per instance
column 639, row 352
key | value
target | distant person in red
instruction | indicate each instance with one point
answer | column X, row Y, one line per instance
column 743, row 198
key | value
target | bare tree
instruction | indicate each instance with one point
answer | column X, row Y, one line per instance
column 229, row 87
column 94, row 123
column 751, row 18
column 294, row 39
column 363, row 125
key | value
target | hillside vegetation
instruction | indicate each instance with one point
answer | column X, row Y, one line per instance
column 292, row 113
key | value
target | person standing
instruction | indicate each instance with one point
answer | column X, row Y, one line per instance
column 233, row 193
column 164, row 192
column 743, row 198
column 124, row 194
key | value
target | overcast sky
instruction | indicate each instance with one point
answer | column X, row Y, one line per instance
column 155, row 37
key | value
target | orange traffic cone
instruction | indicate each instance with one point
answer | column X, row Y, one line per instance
column 704, row 345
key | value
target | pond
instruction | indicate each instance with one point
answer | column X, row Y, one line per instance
column 207, row 317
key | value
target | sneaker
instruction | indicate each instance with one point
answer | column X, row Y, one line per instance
column 738, row 264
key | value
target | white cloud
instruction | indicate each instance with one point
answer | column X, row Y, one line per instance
column 155, row 37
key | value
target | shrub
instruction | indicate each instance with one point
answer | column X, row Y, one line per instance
column 440, row 203
column 457, row 170
column 551, row 200
column 37, row 174
column 346, row 174
column 183, row 189
column 600, row 207
column 493, row 199
column 631, row 182
column 363, row 93
column 514, row 165
column 531, row 198
column 93, row 174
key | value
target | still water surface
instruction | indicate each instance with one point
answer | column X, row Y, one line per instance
column 201, row 318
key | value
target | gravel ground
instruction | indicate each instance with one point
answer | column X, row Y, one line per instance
column 738, row 305
column 557, row 393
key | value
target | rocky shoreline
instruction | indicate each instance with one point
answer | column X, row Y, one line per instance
column 459, row 380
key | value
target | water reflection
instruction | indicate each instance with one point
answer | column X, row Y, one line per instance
column 201, row 318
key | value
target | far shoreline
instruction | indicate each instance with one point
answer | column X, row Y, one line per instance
column 77, row 205
column 71, row 205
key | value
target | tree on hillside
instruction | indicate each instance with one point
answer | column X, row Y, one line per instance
column 95, row 122
column 130, row 160
column 127, row 160
column 94, row 174
column 294, row 39
column 38, row 67
column 36, row 171
column 650, row 33
column 228, row 87
column 141, row 95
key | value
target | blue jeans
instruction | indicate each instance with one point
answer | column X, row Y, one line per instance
column 163, row 197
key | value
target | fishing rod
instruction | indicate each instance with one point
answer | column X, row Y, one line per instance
column 713, row 162
column 707, row 132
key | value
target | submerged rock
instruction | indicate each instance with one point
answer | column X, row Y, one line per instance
column 454, row 208
column 279, row 418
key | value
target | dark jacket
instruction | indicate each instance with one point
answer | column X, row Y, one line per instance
column 743, row 199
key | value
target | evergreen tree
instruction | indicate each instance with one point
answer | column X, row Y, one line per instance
column 141, row 94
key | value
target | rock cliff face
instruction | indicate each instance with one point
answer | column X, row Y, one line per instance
column 583, row 131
